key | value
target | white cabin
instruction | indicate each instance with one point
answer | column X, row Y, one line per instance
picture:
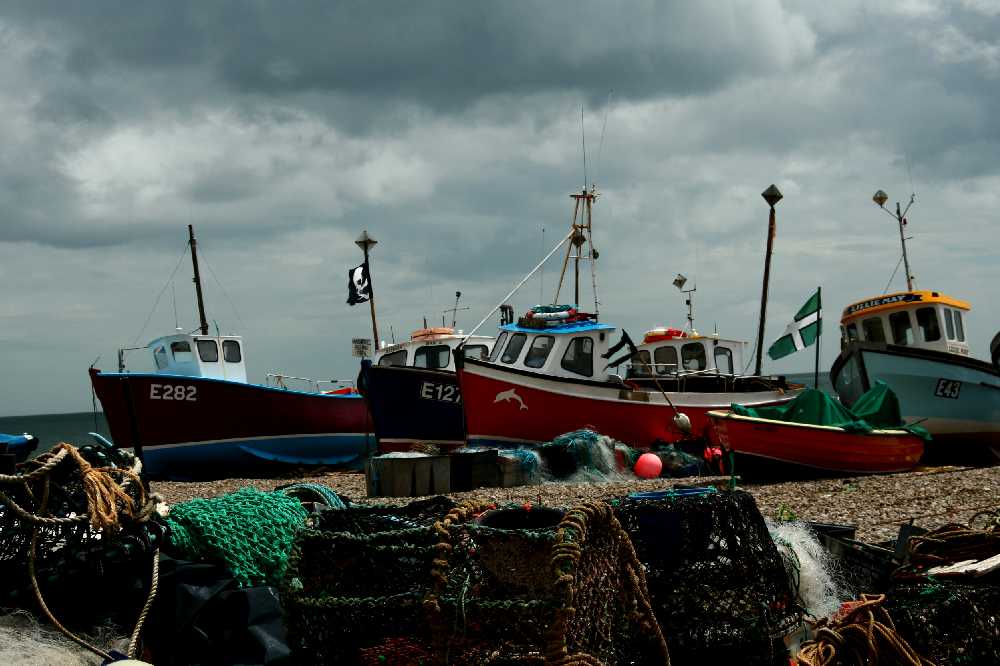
column 569, row 350
column 432, row 348
column 671, row 351
column 921, row 319
column 211, row 356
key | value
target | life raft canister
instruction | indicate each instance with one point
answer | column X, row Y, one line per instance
column 663, row 333
column 431, row 332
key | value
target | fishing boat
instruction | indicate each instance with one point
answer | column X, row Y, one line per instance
column 915, row 341
column 815, row 431
column 412, row 391
column 197, row 416
column 552, row 372
column 20, row 446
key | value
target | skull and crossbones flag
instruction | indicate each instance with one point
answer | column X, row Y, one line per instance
column 359, row 286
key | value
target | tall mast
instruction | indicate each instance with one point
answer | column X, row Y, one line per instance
column 880, row 198
column 580, row 235
column 197, row 280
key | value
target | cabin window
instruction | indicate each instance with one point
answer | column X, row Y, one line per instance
column 928, row 322
column 693, row 356
column 949, row 324
column 208, row 351
column 434, row 357
column 852, row 332
column 514, row 348
column 579, row 357
column 902, row 329
column 477, row 352
column 231, row 351
column 873, row 329
column 959, row 330
column 181, row 352
column 395, row 358
column 498, row 346
column 539, row 351
column 666, row 360
column 641, row 363
column 724, row 360
column 160, row 356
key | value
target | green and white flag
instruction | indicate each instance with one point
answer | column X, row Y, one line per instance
column 802, row 332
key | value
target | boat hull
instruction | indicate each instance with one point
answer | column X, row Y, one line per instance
column 957, row 399
column 413, row 406
column 819, row 447
column 193, row 427
column 507, row 407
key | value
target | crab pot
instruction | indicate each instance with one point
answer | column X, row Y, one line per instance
column 715, row 577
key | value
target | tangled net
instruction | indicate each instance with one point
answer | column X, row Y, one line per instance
column 518, row 585
column 717, row 580
column 250, row 532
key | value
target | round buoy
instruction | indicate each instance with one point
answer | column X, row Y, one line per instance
column 648, row 466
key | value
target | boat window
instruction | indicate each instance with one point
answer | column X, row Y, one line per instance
column 949, row 324
column 928, row 322
column 231, row 351
column 434, row 357
column 498, row 346
column 514, row 347
column 852, row 332
column 539, row 351
column 902, row 330
column 478, row 352
column 160, row 356
column 395, row 358
column 666, row 360
column 579, row 356
column 208, row 351
column 724, row 360
column 873, row 329
column 641, row 364
column 181, row 352
column 693, row 356
column 959, row 330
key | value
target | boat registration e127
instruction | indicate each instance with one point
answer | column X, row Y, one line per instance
column 442, row 392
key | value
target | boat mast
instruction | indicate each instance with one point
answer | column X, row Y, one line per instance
column 880, row 198
column 772, row 196
column 580, row 234
column 197, row 280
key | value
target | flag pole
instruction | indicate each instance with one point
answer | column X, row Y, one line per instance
column 819, row 332
column 365, row 242
column 772, row 196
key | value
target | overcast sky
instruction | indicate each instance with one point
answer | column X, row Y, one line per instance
column 452, row 132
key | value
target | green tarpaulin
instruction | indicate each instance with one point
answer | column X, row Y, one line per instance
column 878, row 409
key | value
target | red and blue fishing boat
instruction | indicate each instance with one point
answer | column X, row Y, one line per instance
column 197, row 416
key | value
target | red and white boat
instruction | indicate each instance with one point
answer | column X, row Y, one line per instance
column 548, row 375
column 827, row 448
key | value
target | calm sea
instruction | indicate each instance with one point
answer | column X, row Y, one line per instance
column 50, row 429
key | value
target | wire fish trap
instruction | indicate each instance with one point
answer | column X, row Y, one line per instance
column 716, row 580
column 570, row 592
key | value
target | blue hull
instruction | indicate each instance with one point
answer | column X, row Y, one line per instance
column 956, row 398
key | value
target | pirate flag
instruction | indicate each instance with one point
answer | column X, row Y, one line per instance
column 359, row 286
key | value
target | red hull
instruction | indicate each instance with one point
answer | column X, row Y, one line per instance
column 505, row 407
column 819, row 447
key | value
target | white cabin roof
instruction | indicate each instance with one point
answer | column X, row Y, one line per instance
column 432, row 348
column 212, row 356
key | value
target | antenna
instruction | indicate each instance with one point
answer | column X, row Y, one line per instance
column 583, row 136
column 392, row 334
column 173, row 293
column 541, row 276
column 454, row 311
column 604, row 126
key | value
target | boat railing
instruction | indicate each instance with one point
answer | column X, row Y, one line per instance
column 280, row 380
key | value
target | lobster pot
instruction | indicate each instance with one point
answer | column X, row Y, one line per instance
column 715, row 577
column 949, row 622
column 496, row 587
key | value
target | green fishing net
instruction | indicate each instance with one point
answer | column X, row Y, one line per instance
column 248, row 531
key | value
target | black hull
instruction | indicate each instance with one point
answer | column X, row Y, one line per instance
column 413, row 406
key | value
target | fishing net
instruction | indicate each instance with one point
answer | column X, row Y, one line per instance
column 80, row 519
column 516, row 585
column 250, row 532
column 717, row 582
column 584, row 455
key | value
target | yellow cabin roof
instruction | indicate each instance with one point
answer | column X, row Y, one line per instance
column 897, row 301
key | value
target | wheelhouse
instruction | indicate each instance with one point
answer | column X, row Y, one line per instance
column 670, row 351
column 572, row 350
column 920, row 319
column 432, row 348
column 214, row 357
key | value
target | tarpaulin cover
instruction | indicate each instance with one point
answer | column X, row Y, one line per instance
column 875, row 410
